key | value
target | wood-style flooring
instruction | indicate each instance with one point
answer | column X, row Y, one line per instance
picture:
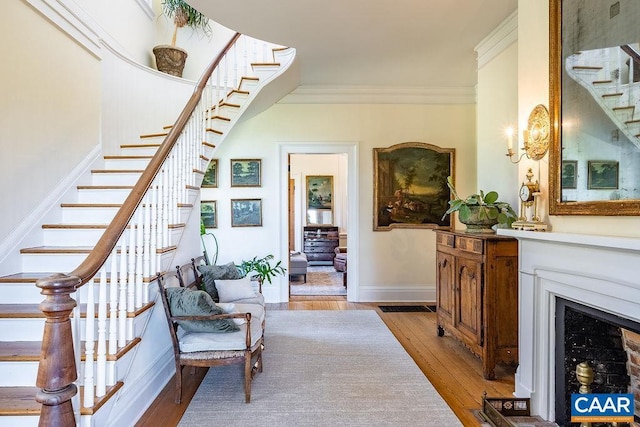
column 451, row 368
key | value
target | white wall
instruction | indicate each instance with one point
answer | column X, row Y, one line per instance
column 50, row 110
column 533, row 89
column 397, row 264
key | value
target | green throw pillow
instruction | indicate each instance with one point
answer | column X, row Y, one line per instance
column 211, row 273
column 187, row 302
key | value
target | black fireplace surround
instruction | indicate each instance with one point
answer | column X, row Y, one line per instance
column 588, row 334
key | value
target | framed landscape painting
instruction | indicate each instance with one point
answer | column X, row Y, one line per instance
column 410, row 186
column 246, row 212
column 320, row 192
column 569, row 174
column 603, row 175
column 209, row 213
column 246, row 172
column 210, row 179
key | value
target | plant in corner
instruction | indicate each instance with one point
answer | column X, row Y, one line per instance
column 262, row 268
column 170, row 59
column 479, row 212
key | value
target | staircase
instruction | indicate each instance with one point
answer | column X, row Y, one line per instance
column 599, row 72
column 122, row 355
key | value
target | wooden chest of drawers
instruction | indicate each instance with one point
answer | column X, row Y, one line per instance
column 477, row 294
column 320, row 243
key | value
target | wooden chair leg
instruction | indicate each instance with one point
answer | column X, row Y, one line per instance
column 247, row 377
column 178, row 383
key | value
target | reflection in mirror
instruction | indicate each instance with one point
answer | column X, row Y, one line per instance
column 595, row 86
column 319, row 217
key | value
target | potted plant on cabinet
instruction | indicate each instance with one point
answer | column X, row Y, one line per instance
column 262, row 268
column 480, row 212
column 171, row 59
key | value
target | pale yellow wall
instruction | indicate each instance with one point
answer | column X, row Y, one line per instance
column 387, row 258
column 498, row 109
column 533, row 88
column 50, row 107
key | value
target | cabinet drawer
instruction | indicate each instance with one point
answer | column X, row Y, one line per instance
column 469, row 244
column 321, row 243
column 445, row 239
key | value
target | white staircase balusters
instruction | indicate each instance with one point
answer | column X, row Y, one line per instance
column 122, row 296
column 89, row 347
column 113, row 306
column 101, row 358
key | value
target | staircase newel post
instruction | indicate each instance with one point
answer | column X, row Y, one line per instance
column 57, row 369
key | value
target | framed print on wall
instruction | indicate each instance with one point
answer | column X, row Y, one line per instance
column 246, row 172
column 410, row 186
column 246, row 212
column 603, row 175
column 319, row 192
column 210, row 179
column 569, row 174
column 209, row 213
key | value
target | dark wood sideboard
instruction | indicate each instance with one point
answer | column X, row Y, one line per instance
column 477, row 294
column 320, row 243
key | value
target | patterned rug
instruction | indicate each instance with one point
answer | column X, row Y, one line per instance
column 321, row 280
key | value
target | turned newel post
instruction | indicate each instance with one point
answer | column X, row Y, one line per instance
column 57, row 369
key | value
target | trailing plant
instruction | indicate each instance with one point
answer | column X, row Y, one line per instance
column 487, row 206
column 262, row 268
column 184, row 15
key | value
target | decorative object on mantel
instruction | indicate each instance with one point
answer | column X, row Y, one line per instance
column 480, row 212
column 529, row 193
column 535, row 137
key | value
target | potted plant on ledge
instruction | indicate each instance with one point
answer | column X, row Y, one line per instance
column 480, row 212
column 171, row 59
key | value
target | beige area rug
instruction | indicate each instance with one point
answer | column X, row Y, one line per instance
column 323, row 368
column 321, row 280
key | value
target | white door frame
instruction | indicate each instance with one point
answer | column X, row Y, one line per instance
column 351, row 150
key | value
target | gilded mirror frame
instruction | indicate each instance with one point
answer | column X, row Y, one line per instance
column 556, row 205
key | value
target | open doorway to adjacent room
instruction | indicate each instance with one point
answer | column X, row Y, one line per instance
column 317, row 222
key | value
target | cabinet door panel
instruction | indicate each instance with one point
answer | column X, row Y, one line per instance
column 469, row 299
column 446, row 282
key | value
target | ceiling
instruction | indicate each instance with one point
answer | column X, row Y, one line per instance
column 372, row 43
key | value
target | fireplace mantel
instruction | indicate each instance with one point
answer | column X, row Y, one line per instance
column 596, row 271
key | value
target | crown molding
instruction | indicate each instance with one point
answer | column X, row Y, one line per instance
column 503, row 36
column 379, row 95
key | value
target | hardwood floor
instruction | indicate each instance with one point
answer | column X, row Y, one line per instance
column 451, row 368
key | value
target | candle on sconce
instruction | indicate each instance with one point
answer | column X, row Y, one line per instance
column 510, row 138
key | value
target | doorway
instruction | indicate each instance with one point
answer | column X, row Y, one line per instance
column 338, row 160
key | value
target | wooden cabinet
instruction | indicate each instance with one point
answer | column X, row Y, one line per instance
column 477, row 294
column 320, row 243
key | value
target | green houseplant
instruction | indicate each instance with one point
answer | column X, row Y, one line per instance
column 479, row 212
column 262, row 268
column 171, row 59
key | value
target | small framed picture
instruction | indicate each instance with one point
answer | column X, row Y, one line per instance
column 246, row 172
column 209, row 213
column 210, row 179
column 246, row 212
column 569, row 174
column 603, row 175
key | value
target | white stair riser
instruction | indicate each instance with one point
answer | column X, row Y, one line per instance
column 237, row 98
column 18, row 374
column 136, row 164
column 265, row 72
column 20, row 421
column 249, row 85
column 142, row 151
column 43, row 263
column 22, row 293
column 230, row 112
column 115, row 178
column 103, row 195
column 93, row 215
column 89, row 237
column 21, row 329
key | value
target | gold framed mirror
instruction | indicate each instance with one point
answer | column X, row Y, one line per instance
column 594, row 84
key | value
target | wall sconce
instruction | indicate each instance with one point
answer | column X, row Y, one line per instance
column 535, row 137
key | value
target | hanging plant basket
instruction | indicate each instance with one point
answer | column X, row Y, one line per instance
column 170, row 59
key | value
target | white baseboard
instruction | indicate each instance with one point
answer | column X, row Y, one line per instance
column 409, row 293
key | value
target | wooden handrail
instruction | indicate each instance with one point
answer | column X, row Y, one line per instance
column 632, row 53
column 57, row 369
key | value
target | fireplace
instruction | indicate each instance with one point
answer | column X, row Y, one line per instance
column 598, row 273
column 604, row 341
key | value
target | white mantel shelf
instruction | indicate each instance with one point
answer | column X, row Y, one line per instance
column 611, row 242
column 593, row 270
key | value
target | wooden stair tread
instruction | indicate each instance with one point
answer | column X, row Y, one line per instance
column 19, row 401
column 149, row 145
column 23, row 277
column 629, row 107
column 612, row 94
column 19, row 311
column 105, row 187
column 213, row 131
column 154, row 135
column 596, row 82
column 73, row 249
column 127, row 157
column 117, row 171
column 91, row 205
column 20, row 351
column 586, row 67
